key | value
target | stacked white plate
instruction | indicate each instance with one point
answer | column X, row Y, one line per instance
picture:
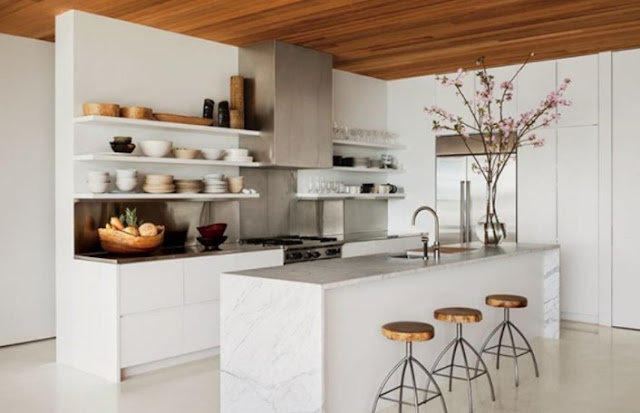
column 215, row 184
column 158, row 184
column 189, row 186
column 237, row 155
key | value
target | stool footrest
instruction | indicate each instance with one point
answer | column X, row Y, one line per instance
column 477, row 373
column 506, row 350
column 425, row 393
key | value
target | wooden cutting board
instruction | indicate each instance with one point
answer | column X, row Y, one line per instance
column 190, row 120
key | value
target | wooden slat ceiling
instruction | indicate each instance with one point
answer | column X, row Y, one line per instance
column 387, row 39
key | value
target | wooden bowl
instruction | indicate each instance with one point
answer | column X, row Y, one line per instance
column 120, row 242
column 101, row 109
column 136, row 112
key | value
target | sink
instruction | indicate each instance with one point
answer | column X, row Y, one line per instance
column 417, row 253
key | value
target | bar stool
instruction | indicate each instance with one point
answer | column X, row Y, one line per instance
column 507, row 302
column 408, row 331
column 460, row 316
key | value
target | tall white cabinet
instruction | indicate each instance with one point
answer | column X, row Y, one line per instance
column 626, row 190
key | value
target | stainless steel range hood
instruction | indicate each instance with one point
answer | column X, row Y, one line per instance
column 288, row 97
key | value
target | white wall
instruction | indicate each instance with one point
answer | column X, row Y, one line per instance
column 27, row 309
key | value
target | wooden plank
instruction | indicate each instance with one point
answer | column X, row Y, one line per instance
column 379, row 38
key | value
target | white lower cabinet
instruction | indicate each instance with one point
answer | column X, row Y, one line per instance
column 171, row 308
column 150, row 336
column 201, row 326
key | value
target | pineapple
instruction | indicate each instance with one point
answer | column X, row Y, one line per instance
column 130, row 218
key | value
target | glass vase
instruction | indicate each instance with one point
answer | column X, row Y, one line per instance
column 490, row 230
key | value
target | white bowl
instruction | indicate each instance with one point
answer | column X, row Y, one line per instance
column 232, row 153
column 214, row 176
column 238, row 158
column 212, row 154
column 98, row 187
column 98, row 176
column 126, row 184
column 155, row 149
column 126, row 173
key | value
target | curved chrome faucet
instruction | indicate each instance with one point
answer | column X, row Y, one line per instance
column 425, row 238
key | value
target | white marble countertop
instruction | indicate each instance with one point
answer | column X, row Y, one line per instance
column 345, row 272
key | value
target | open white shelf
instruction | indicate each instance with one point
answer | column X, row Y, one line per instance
column 168, row 161
column 368, row 170
column 174, row 196
column 143, row 123
column 319, row 197
column 368, row 145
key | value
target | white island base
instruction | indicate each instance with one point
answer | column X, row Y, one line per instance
column 306, row 337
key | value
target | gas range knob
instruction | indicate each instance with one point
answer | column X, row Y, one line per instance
column 315, row 254
column 294, row 255
column 332, row 251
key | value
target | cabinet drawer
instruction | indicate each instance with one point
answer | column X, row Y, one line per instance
column 202, row 275
column 150, row 336
column 150, row 286
column 201, row 326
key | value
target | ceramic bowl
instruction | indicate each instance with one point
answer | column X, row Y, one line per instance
column 212, row 154
column 156, row 148
column 213, row 230
column 126, row 184
column 235, row 153
column 185, row 153
column 126, row 173
column 98, row 176
column 98, row 187
column 236, row 184
column 122, row 147
column 211, row 244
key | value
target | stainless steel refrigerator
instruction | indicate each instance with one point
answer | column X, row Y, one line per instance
column 461, row 194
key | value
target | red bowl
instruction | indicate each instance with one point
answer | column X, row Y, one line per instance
column 213, row 230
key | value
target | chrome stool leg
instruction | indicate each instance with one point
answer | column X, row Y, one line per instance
column 463, row 345
column 507, row 325
column 409, row 361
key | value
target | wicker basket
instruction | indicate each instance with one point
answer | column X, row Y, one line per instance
column 120, row 242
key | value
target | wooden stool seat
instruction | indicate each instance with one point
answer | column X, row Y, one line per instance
column 458, row 315
column 408, row 331
column 506, row 301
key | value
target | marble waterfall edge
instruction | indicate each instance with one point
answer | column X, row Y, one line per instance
column 267, row 371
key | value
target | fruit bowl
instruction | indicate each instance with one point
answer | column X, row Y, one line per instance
column 120, row 242
column 213, row 230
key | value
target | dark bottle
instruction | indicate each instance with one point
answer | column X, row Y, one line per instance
column 207, row 109
column 223, row 114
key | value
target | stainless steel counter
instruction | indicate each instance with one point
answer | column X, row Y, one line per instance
column 170, row 254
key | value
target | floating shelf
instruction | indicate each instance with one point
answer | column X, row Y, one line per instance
column 372, row 197
column 368, row 145
column 144, row 123
column 174, row 196
column 167, row 161
column 367, row 170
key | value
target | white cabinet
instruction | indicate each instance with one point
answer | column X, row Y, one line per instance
column 626, row 196
column 583, row 91
column 150, row 285
column 150, row 336
column 201, row 326
column 202, row 275
column 537, row 191
column 578, row 222
column 171, row 308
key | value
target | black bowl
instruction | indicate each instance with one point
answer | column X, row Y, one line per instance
column 211, row 244
column 122, row 147
column 122, row 139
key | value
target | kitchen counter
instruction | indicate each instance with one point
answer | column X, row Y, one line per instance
column 352, row 271
column 293, row 338
column 170, row 254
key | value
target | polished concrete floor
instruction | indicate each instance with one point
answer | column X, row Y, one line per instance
column 589, row 370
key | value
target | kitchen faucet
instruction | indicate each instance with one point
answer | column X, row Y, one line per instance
column 425, row 237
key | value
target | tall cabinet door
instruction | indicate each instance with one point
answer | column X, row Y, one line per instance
column 626, row 190
column 578, row 222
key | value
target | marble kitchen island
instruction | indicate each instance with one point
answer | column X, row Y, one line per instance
column 306, row 337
